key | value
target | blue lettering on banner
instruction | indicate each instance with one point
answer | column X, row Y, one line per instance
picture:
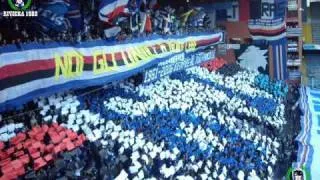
column 177, row 63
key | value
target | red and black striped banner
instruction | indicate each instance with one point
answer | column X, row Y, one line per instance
column 42, row 71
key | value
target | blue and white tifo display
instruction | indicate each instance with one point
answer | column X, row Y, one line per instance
column 194, row 124
column 309, row 137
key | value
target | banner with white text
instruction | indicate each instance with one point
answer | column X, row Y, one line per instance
column 177, row 63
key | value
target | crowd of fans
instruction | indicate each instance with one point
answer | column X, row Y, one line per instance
column 162, row 20
column 193, row 124
column 230, row 123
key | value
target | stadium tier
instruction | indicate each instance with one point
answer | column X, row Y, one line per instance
column 148, row 89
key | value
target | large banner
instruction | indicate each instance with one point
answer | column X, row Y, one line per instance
column 267, row 24
column 279, row 56
column 309, row 137
column 267, row 19
column 44, row 70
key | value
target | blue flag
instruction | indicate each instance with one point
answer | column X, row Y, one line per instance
column 74, row 16
column 52, row 16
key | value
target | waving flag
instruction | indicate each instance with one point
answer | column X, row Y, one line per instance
column 52, row 16
column 146, row 24
column 279, row 56
column 110, row 9
column 185, row 16
column 75, row 17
